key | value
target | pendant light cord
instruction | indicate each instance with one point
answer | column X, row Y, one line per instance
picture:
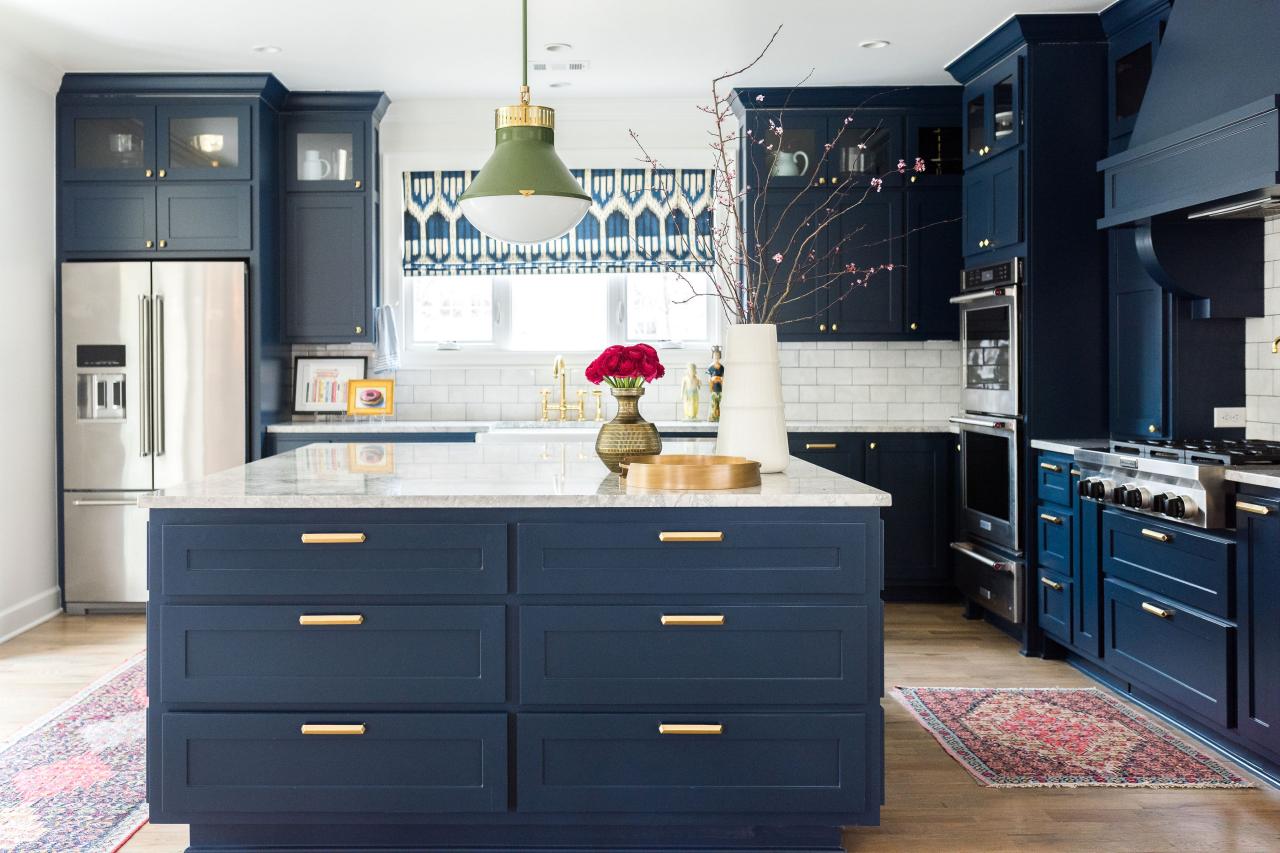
column 524, row 43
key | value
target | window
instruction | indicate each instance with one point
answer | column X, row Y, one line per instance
column 559, row 313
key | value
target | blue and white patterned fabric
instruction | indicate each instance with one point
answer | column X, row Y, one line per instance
column 632, row 226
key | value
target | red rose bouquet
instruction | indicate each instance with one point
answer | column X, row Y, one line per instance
column 626, row 367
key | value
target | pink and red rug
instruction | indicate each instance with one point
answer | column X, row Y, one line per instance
column 1059, row 737
column 73, row 781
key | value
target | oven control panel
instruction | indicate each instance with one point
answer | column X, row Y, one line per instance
column 994, row 275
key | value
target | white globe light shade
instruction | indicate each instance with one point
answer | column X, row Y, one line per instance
column 524, row 219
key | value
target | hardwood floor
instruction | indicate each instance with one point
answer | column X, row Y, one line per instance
column 933, row 804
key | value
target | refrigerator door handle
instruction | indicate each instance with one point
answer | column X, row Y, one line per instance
column 144, row 398
column 157, row 361
column 104, row 502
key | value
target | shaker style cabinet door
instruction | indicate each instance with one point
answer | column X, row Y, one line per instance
column 328, row 283
column 206, row 142
column 325, row 155
column 116, row 143
column 108, row 217
column 204, row 217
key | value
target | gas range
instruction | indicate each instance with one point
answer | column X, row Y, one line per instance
column 1182, row 481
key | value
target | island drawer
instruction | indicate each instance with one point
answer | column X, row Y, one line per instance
column 1186, row 656
column 344, row 655
column 1171, row 560
column 371, row 763
column 706, row 655
column 331, row 557
column 755, row 764
column 696, row 556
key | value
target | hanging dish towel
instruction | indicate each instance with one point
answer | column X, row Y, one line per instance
column 386, row 353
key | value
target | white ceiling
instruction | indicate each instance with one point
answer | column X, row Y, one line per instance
column 467, row 48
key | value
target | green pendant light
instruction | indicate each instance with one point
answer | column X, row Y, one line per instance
column 524, row 193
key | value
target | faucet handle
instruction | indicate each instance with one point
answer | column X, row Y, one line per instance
column 546, row 403
column 582, row 405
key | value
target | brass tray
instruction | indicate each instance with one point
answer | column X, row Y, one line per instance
column 684, row 472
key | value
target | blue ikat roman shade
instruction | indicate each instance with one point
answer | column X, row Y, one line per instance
column 631, row 226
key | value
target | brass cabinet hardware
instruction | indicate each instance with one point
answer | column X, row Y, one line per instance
column 820, row 445
column 822, row 327
column 1275, row 345
column 146, row 173
column 1052, row 584
column 1049, row 466
column 871, row 446
column 1156, row 535
column 1075, row 472
column 1256, row 509
column 913, row 179
column 835, row 327
column 163, row 243
column 162, row 173
column 690, row 729
column 331, row 619
column 359, row 330
column 358, row 184
column 333, row 728
column 691, row 536
column 1156, row 611
column 958, row 448
column 1151, row 428
column 332, row 538
column 1052, row 519
column 914, row 326
column 821, row 181
column 692, row 619
column 150, row 243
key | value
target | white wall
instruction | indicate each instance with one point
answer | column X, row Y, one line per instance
column 28, row 564
column 1262, row 366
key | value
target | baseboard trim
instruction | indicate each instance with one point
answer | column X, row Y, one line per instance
column 25, row 615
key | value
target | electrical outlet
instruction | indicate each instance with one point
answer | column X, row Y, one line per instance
column 1229, row 417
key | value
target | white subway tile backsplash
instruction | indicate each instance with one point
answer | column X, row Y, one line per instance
column 817, row 358
column 1261, row 365
column 888, row 358
column 924, row 358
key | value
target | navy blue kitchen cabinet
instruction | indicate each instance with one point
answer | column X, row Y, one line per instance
column 1140, row 328
column 111, row 142
column 206, row 141
column 842, row 453
column 107, row 217
column 993, row 118
column 1086, row 632
column 331, row 214
column 1065, row 590
column 204, row 217
column 993, row 205
column 1135, row 29
column 1258, row 649
column 299, row 683
column 911, row 221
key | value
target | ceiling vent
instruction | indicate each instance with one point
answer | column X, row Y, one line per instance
column 561, row 67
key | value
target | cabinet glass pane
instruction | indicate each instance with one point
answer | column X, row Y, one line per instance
column 1133, row 71
column 110, row 143
column 325, row 157
column 796, row 153
column 863, row 152
column 939, row 147
column 1002, row 104
column 204, row 142
column 976, row 121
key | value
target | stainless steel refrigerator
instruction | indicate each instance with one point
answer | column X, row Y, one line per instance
column 153, row 394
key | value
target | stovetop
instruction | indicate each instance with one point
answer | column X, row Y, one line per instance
column 1202, row 452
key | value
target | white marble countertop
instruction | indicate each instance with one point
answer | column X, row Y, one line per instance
column 1069, row 445
column 1267, row 476
column 670, row 427
column 491, row 475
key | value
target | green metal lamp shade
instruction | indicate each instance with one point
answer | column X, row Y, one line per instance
column 524, row 193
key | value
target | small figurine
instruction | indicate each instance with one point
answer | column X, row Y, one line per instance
column 689, row 387
column 716, row 372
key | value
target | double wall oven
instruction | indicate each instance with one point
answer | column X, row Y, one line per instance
column 989, row 542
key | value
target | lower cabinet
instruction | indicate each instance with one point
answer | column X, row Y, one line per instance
column 1258, row 649
column 1056, row 599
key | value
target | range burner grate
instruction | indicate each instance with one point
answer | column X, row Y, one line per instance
column 1203, row 452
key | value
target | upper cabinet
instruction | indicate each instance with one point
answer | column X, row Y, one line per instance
column 107, row 143
column 839, row 150
column 993, row 117
column 204, row 142
column 325, row 155
column 1135, row 30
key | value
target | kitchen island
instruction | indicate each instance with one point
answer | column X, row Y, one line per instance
column 502, row 647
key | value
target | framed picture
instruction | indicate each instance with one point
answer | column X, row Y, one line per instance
column 320, row 383
column 372, row 458
column 371, row 397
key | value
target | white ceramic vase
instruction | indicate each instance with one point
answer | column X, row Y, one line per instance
column 752, row 423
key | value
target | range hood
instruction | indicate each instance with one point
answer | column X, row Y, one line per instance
column 1203, row 164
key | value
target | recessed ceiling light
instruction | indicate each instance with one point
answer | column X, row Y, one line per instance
column 266, row 48
column 557, row 46
column 559, row 84
column 874, row 44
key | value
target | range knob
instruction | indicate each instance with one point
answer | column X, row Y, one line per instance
column 1095, row 488
column 1119, row 493
column 1136, row 497
column 1179, row 506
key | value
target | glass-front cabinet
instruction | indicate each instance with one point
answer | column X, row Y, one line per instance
column 993, row 111
column 796, row 148
column 116, row 143
column 205, row 142
column 144, row 143
column 323, row 154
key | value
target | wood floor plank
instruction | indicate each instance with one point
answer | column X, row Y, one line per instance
column 933, row 803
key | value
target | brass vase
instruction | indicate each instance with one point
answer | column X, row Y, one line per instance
column 627, row 434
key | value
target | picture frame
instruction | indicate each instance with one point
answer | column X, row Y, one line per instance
column 371, row 458
column 371, row 397
column 320, row 382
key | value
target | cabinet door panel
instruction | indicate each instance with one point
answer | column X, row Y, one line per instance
column 205, row 142
column 325, row 155
column 933, row 261
column 1006, row 201
column 916, row 471
column 1055, row 594
column 1258, row 544
column 203, row 217
column 977, row 212
column 792, row 159
column 1140, row 327
column 328, row 289
column 108, row 217
column 782, row 230
column 868, row 235
column 1087, row 631
column 116, row 143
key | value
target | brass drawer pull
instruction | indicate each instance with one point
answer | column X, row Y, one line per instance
column 1053, row 585
column 693, row 619
column 1049, row 466
column 1156, row 535
column 1075, row 473
column 691, row 536
column 1052, row 519
column 822, row 445
column 1156, row 611
column 690, row 729
column 332, row 538
column 333, row 728
column 331, row 619
column 1256, row 509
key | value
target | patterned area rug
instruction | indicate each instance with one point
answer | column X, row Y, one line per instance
column 73, row 782
column 1059, row 737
